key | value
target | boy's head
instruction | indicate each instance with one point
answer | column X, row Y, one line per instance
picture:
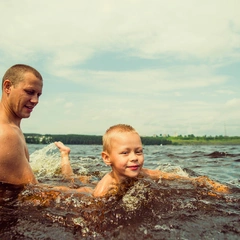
column 119, row 128
column 122, row 150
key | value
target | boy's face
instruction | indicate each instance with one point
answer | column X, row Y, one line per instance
column 126, row 155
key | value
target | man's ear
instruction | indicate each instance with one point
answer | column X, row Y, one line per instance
column 106, row 158
column 7, row 86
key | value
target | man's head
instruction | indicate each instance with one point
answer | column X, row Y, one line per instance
column 15, row 74
column 22, row 87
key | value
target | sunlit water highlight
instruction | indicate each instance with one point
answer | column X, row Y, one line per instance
column 147, row 209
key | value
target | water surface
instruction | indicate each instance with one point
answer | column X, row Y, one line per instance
column 147, row 210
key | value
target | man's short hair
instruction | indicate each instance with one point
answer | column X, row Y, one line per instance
column 16, row 73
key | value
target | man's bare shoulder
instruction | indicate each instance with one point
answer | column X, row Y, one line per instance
column 7, row 128
column 14, row 165
column 11, row 140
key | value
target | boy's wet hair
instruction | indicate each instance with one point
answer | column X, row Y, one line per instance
column 119, row 128
column 16, row 73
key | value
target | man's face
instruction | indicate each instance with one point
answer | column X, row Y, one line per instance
column 24, row 96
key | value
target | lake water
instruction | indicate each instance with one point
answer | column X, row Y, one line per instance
column 147, row 210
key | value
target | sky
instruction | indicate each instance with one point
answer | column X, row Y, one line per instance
column 162, row 66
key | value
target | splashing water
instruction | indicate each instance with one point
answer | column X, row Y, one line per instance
column 172, row 169
column 46, row 161
column 146, row 209
column 135, row 196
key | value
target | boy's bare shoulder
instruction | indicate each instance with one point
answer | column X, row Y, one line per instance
column 105, row 185
column 155, row 174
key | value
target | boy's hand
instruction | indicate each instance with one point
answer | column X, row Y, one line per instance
column 205, row 181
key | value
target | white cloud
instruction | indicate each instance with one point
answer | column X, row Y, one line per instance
column 225, row 92
column 235, row 103
column 190, row 39
column 71, row 31
column 68, row 105
column 147, row 81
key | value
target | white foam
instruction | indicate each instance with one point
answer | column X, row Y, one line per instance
column 173, row 169
column 46, row 161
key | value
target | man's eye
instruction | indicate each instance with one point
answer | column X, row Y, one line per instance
column 29, row 92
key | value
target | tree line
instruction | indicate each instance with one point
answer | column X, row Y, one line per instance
column 201, row 140
column 32, row 138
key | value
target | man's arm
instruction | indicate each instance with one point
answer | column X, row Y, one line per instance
column 14, row 164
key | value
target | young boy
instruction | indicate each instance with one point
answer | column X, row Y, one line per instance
column 123, row 151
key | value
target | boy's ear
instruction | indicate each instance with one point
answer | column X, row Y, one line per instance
column 106, row 158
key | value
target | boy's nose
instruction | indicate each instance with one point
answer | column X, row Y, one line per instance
column 133, row 157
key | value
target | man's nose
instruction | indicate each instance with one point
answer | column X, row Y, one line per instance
column 35, row 99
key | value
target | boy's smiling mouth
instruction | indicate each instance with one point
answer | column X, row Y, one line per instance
column 134, row 167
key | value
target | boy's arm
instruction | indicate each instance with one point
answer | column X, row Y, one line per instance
column 156, row 174
column 71, row 190
column 199, row 181
column 204, row 181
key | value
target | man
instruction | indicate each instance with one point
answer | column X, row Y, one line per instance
column 21, row 89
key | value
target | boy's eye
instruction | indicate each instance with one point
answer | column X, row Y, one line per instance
column 139, row 152
column 125, row 152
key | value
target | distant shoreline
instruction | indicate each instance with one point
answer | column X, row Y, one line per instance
column 78, row 139
column 189, row 142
